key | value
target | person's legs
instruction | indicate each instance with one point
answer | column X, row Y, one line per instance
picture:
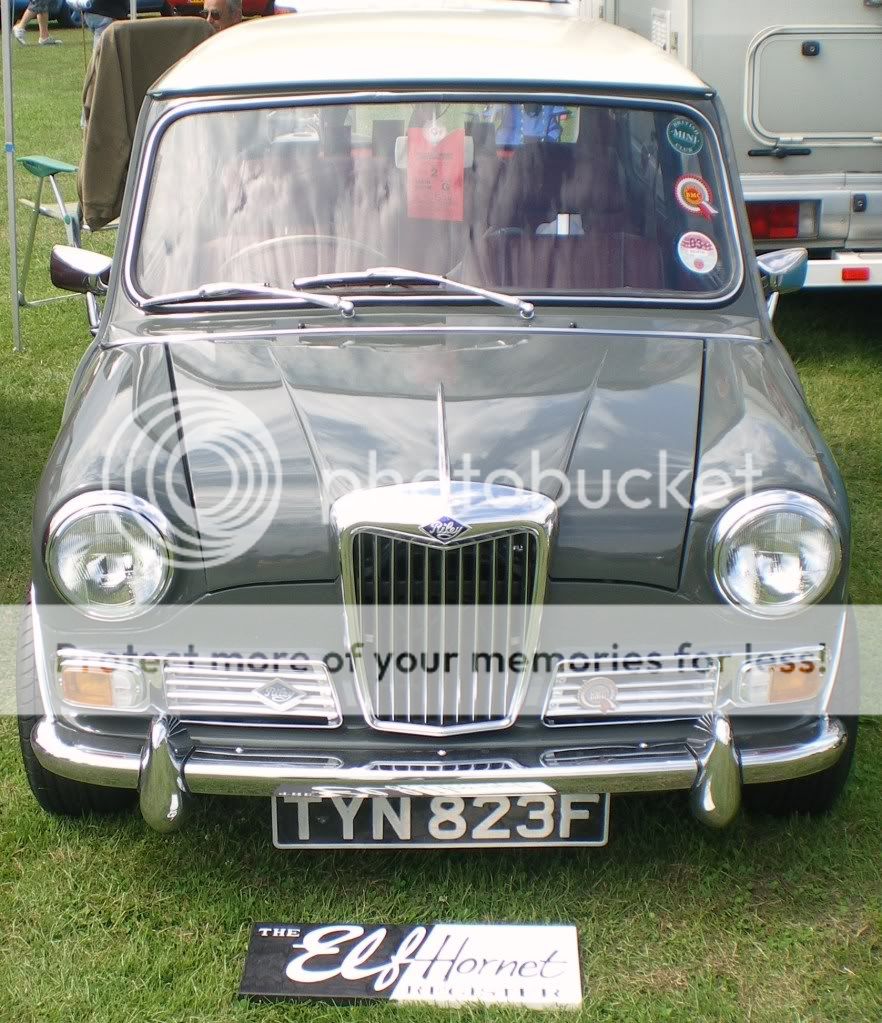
column 19, row 30
column 40, row 8
column 96, row 23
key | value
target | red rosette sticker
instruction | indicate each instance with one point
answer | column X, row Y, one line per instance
column 695, row 195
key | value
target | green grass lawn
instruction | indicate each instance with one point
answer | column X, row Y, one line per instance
column 106, row 921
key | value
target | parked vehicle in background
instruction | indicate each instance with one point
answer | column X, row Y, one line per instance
column 802, row 85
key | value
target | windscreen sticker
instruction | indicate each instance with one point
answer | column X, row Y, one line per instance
column 435, row 175
column 685, row 136
column 697, row 252
column 695, row 196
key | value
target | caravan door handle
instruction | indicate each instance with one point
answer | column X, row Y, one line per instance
column 779, row 152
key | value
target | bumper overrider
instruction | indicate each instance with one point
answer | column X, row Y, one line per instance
column 168, row 769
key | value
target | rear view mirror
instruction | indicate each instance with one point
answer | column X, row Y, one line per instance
column 79, row 270
column 783, row 271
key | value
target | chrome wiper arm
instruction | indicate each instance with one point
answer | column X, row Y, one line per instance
column 398, row 274
column 219, row 290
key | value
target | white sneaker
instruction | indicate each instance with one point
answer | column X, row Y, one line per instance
column 49, row 41
column 19, row 34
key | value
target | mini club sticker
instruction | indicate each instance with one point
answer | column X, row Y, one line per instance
column 695, row 196
column 685, row 136
column 697, row 252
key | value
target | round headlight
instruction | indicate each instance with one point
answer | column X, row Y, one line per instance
column 106, row 552
column 775, row 552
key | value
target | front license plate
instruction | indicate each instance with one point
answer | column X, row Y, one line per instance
column 428, row 821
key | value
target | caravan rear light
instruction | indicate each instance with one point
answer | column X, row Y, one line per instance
column 770, row 220
column 774, row 220
column 855, row 273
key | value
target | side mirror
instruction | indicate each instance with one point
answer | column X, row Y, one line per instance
column 783, row 271
column 80, row 270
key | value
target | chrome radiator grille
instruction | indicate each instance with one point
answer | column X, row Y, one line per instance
column 445, row 629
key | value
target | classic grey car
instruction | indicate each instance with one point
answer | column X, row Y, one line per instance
column 435, row 472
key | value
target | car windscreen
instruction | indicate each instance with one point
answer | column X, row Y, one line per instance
column 595, row 198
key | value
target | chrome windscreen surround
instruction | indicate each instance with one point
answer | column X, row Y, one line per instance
column 430, row 570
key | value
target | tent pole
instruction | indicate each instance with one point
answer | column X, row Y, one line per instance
column 6, row 47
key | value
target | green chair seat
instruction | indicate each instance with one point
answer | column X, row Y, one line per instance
column 44, row 167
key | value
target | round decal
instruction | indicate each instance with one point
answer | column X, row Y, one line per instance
column 599, row 695
column 697, row 252
column 694, row 195
column 685, row 136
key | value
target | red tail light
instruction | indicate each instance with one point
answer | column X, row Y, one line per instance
column 769, row 220
column 855, row 273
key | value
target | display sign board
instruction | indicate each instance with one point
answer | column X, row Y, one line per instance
column 445, row 964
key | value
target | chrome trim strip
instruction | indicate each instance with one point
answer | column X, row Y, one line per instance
column 639, row 773
column 517, row 93
column 261, row 772
column 396, row 331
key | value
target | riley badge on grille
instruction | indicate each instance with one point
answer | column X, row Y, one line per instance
column 444, row 529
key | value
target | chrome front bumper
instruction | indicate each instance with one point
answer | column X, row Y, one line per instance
column 168, row 770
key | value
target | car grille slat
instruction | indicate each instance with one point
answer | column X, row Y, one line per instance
column 199, row 691
column 439, row 625
column 582, row 696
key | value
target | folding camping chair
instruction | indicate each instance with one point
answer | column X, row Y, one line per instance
column 132, row 55
column 43, row 168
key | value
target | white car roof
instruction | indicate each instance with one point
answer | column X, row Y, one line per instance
column 567, row 7
column 477, row 46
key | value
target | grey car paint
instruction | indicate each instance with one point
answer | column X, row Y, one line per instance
column 583, row 402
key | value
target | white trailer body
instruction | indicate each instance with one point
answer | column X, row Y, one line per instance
column 801, row 81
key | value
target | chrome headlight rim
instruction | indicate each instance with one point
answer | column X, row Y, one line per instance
column 753, row 507
column 81, row 507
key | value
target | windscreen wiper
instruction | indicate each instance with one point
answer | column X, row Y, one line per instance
column 400, row 275
column 217, row 291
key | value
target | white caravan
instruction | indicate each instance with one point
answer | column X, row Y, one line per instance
column 801, row 81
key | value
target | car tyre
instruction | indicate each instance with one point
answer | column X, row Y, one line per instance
column 815, row 794
column 55, row 794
